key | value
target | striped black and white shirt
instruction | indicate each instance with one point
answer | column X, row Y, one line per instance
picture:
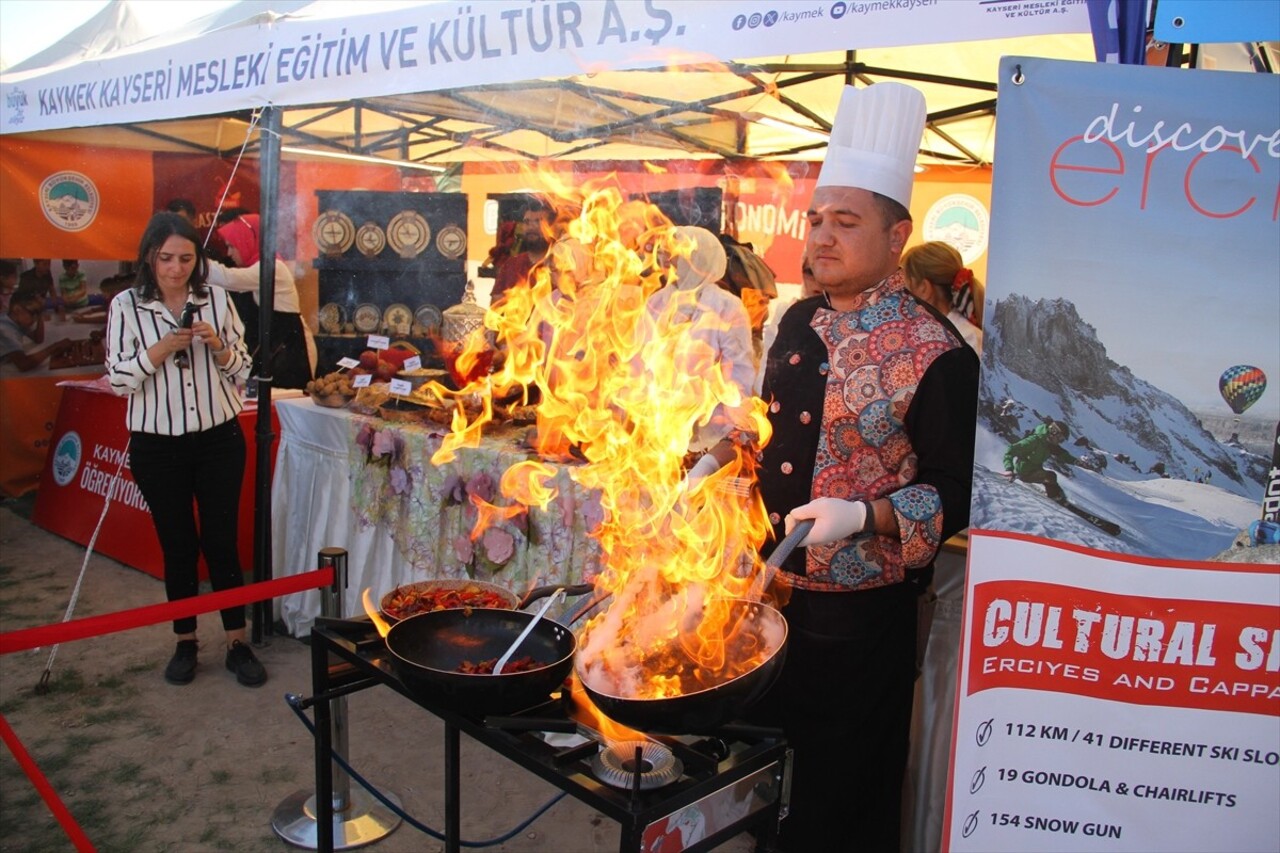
column 168, row 399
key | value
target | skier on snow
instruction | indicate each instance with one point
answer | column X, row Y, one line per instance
column 1025, row 458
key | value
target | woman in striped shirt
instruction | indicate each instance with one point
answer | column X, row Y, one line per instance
column 174, row 349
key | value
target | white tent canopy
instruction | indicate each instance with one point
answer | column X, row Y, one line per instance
column 588, row 80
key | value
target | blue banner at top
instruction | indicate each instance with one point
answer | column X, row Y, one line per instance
column 1217, row 21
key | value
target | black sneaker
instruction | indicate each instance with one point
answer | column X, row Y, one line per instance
column 182, row 666
column 241, row 661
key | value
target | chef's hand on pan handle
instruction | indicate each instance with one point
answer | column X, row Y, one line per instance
column 833, row 519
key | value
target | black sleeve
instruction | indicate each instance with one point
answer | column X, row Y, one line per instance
column 942, row 423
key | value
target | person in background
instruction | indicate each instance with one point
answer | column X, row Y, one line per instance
column 503, row 247
column 293, row 360
column 937, row 276
column 25, row 319
column 40, row 280
column 186, row 449
column 872, row 400
column 8, row 284
column 715, row 317
column 808, row 287
column 535, row 240
column 184, row 208
column 73, row 287
column 749, row 278
column 113, row 284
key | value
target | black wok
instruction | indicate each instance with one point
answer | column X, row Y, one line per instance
column 704, row 710
column 428, row 648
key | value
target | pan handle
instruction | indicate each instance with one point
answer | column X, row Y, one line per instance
column 778, row 557
column 788, row 544
column 543, row 591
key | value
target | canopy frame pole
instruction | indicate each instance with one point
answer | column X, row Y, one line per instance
column 269, row 182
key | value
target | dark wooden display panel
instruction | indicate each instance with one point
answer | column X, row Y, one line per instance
column 351, row 279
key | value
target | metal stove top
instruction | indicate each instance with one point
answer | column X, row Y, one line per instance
column 688, row 792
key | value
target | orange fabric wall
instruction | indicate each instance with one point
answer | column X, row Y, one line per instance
column 123, row 179
column 940, row 182
column 773, row 197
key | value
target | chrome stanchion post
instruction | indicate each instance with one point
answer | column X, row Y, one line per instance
column 358, row 818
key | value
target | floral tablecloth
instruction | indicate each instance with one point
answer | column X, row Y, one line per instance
column 428, row 511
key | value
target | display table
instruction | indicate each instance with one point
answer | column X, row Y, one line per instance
column 89, row 443
column 31, row 405
column 368, row 486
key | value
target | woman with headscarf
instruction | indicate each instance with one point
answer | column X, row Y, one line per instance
column 293, row 360
column 717, row 319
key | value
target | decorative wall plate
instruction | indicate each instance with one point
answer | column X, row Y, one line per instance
column 370, row 240
column 368, row 318
column 451, row 242
column 333, row 232
column 398, row 318
column 408, row 233
column 429, row 318
column 331, row 318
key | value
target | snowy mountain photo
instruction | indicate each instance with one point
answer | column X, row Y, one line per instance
column 1134, row 455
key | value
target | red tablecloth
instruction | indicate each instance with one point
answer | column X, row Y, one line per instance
column 85, row 451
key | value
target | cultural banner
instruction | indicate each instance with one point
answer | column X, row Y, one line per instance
column 433, row 46
column 1120, row 670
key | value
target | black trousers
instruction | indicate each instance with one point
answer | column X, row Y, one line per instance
column 844, row 701
column 181, row 476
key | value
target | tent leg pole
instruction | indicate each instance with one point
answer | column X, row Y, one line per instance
column 269, row 180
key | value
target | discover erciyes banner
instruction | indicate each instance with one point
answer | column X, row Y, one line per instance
column 1120, row 671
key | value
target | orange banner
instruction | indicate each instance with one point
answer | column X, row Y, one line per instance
column 67, row 201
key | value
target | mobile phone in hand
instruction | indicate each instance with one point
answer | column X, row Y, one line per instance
column 188, row 317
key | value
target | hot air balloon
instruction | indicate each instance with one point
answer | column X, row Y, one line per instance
column 1241, row 386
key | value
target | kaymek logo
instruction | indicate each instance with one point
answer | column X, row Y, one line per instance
column 66, row 458
column 15, row 105
column 69, row 200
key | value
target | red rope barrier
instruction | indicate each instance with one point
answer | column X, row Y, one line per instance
column 50, row 796
column 109, row 623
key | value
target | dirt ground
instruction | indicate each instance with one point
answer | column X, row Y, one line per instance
column 146, row 766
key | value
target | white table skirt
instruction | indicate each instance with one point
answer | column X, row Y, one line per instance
column 403, row 523
column 311, row 510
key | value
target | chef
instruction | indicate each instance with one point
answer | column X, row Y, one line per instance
column 872, row 398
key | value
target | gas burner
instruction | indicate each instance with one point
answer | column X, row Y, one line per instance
column 615, row 765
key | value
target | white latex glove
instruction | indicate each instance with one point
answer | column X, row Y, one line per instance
column 701, row 469
column 833, row 519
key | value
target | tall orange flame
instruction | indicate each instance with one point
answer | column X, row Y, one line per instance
column 622, row 388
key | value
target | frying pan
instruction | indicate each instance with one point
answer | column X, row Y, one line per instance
column 428, row 648
column 509, row 599
column 704, row 710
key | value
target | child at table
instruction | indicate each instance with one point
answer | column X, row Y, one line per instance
column 73, row 289
column 8, row 284
column 25, row 320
